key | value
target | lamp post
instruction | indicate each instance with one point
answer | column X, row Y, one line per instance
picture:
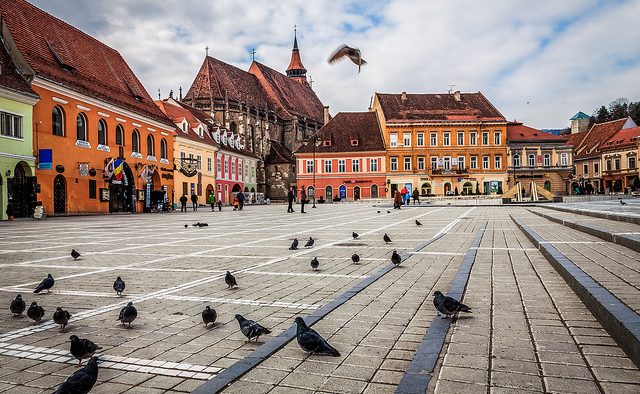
column 314, row 168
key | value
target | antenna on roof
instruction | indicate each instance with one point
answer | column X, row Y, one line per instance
column 253, row 54
column 451, row 88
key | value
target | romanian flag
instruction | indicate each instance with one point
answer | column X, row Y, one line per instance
column 117, row 169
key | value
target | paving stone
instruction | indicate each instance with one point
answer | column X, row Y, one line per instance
column 568, row 385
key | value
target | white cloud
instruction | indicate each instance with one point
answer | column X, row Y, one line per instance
column 561, row 56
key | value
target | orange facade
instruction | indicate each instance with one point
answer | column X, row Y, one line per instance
column 70, row 125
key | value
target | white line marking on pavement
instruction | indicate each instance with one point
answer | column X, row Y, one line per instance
column 320, row 274
column 439, row 253
column 488, row 248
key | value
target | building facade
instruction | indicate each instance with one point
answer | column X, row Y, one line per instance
column 443, row 144
column 536, row 156
column 347, row 161
column 620, row 160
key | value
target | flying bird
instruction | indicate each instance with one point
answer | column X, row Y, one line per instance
column 352, row 53
column 386, row 238
column 209, row 316
column 17, row 305
column 448, row 306
column 230, row 280
column 46, row 284
column 355, row 258
column 310, row 341
column 250, row 328
column 294, row 245
column 75, row 254
column 418, row 223
column 315, row 263
column 35, row 312
column 128, row 314
column 82, row 380
column 309, row 243
column 395, row 258
column 60, row 316
column 119, row 285
column 82, row 348
column 355, row 235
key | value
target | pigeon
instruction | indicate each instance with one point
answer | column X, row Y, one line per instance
column 395, row 258
column 310, row 341
column 352, row 53
column 448, row 306
column 315, row 263
column 46, row 284
column 230, row 280
column 386, row 238
column 119, row 285
column 60, row 316
column 82, row 380
column 209, row 316
column 294, row 245
column 196, row 224
column 82, row 348
column 203, row 224
column 388, row 211
column 378, row 211
column 75, row 254
column 128, row 314
column 186, row 226
column 251, row 329
column 17, row 306
column 35, row 312
column 309, row 243
column 418, row 223
column 622, row 202
column 355, row 258
column 355, row 235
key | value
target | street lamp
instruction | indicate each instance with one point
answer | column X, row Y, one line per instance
column 314, row 168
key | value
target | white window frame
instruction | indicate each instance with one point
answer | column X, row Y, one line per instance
column 564, row 159
column 393, row 140
column 531, row 157
column 420, row 139
column 421, row 163
column 473, row 162
column 393, row 163
column 447, row 163
column 485, row 138
column 14, row 123
column 473, row 138
column 461, row 162
column 516, row 160
column 635, row 162
column 209, row 164
column 485, row 162
column 460, row 138
column 546, row 160
column 373, row 165
column 434, row 163
column 342, row 165
column 309, row 166
column 446, row 138
column 433, row 138
column 355, row 165
column 497, row 138
column 407, row 163
column 328, row 166
column 406, row 139
column 497, row 162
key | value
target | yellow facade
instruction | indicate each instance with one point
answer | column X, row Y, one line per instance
column 204, row 180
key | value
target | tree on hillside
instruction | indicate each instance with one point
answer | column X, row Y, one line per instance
column 617, row 109
column 601, row 114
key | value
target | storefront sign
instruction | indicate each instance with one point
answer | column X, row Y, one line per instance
column 105, row 194
column 147, row 196
column 140, row 195
column 357, row 181
column 45, row 159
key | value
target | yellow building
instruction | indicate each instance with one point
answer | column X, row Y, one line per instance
column 443, row 143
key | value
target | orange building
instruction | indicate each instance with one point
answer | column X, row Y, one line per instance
column 347, row 161
column 443, row 143
column 100, row 142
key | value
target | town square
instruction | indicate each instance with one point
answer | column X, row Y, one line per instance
column 332, row 197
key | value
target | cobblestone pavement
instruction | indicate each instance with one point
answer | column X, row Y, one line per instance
column 529, row 331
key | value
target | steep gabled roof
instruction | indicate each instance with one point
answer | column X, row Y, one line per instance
column 517, row 132
column 588, row 146
column 345, row 127
column 624, row 137
column 9, row 77
column 60, row 53
column 472, row 107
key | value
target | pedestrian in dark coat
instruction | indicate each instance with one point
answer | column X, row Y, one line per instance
column 240, row 198
column 290, row 197
column 416, row 196
column 303, row 199
column 397, row 200
column 183, row 203
column 194, row 201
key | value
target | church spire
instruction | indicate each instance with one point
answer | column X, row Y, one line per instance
column 296, row 70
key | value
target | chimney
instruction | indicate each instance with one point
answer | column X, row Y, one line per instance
column 456, row 95
column 327, row 117
column 180, row 93
column 403, row 96
column 171, row 94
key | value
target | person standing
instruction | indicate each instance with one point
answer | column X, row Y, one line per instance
column 240, row 198
column 416, row 196
column 403, row 193
column 290, row 197
column 212, row 201
column 397, row 200
column 194, row 201
column 303, row 199
column 183, row 203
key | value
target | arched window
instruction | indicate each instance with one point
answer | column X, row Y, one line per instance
column 547, row 185
column 57, row 121
column 163, row 148
column 102, row 132
column 119, row 135
column 81, row 127
column 135, row 141
column 374, row 191
column 150, row 147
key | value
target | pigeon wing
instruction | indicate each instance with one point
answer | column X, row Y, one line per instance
column 339, row 54
column 450, row 304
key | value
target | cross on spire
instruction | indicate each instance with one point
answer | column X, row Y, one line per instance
column 310, row 81
column 206, row 50
column 253, row 54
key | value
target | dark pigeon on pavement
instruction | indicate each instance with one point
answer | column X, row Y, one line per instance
column 315, row 263
column 82, row 348
column 186, row 226
column 378, row 211
column 119, row 285
column 622, row 202
column 309, row 243
column 128, row 314
column 46, row 284
column 386, row 238
column 75, row 254
column 388, row 211
column 395, row 258
column 251, row 329
column 355, row 235
column 60, row 316
column 355, row 258
column 294, row 244
column 35, row 312
column 82, row 380
column 230, row 280
column 310, row 341
column 448, row 306
column 17, row 305
column 203, row 224
column 418, row 223
column 209, row 316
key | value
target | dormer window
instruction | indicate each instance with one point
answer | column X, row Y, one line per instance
column 184, row 127
column 354, row 142
column 326, row 143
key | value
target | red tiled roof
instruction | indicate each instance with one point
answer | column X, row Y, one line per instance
column 472, row 107
column 9, row 77
column 346, row 127
column 177, row 114
column 589, row 145
column 65, row 55
column 517, row 132
column 279, row 154
column 624, row 137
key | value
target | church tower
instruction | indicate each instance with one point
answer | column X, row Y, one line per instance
column 296, row 70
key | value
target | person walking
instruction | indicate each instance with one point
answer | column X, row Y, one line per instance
column 183, row 203
column 303, row 199
column 290, row 197
column 240, row 198
column 212, row 201
column 403, row 193
column 194, row 201
column 416, row 196
column 397, row 200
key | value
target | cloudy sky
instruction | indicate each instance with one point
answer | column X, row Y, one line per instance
column 538, row 61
